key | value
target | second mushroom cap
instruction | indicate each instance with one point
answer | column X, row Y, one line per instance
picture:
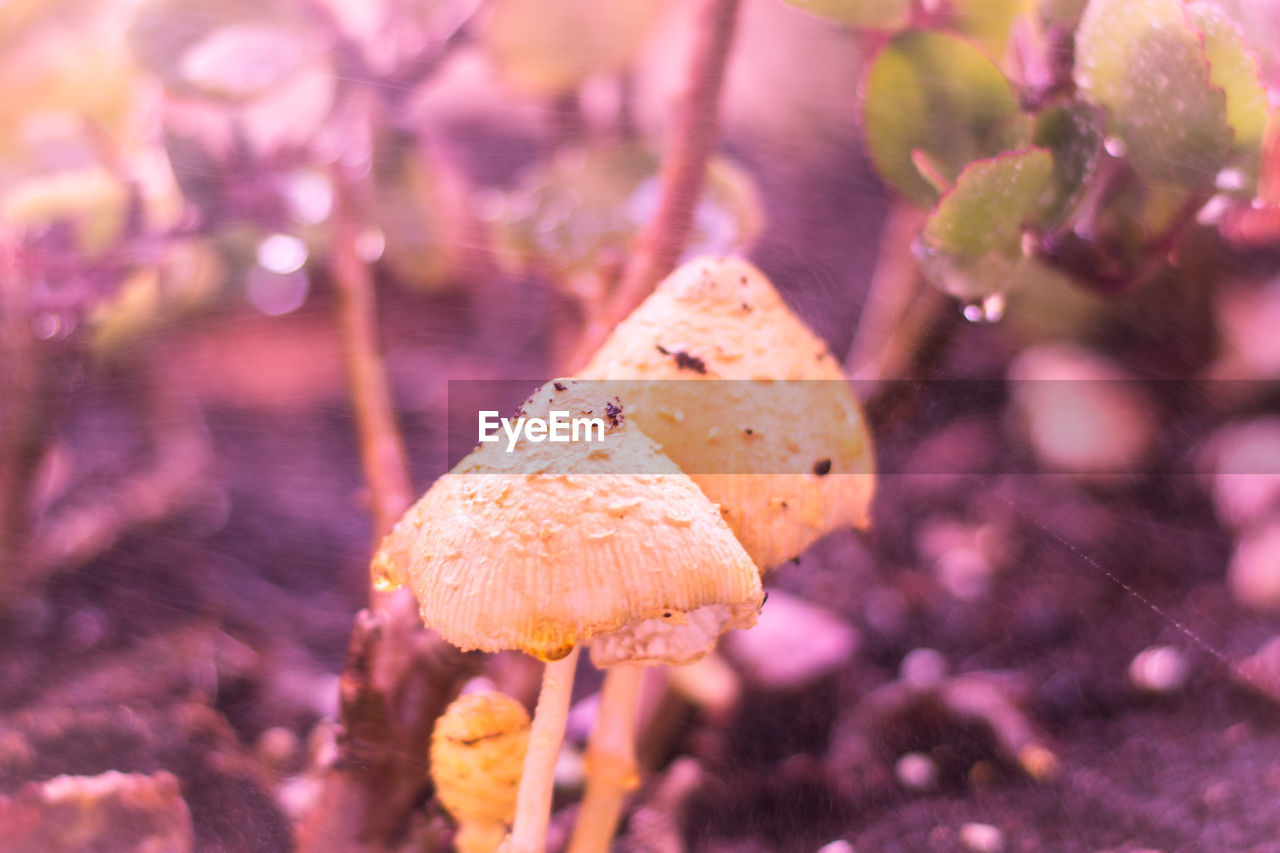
column 779, row 441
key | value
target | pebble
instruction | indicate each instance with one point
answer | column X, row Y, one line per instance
column 965, row 573
column 837, row 846
column 885, row 610
column 1248, row 317
column 1082, row 415
column 981, row 838
column 1254, row 572
column 964, row 558
column 916, row 771
column 277, row 747
column 1261, row 672
column 1244, row 459
column 793, row 644
column 1039, row 762
column 1159, row 669
column 923, row 668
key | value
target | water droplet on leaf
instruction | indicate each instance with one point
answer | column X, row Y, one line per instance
column 987, row 310
column 1115, row 146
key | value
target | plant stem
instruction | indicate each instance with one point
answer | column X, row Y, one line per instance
column 693, row 137
column 533, row 802
column 398, row 677
column 19, row 448
column 889, row 294
column 33, row 391
column 611, row 761
column 381, row 451
column 905, row 327
column 477, row 837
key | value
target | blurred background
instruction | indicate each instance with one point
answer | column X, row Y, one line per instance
column 1067, row 636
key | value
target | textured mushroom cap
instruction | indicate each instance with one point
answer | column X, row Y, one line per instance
column 477, row 754
column 722, row 319
column 502, row 555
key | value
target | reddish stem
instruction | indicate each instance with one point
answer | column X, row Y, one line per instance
column 381, row 451
column 692, row 140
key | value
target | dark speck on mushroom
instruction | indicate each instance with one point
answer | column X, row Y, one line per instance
column 822, row 467
column 746, row 306
column 559, row 386
column 742, row 280
column 666, row 615
column 684, row 360
column 749, row 431
column 614, row 412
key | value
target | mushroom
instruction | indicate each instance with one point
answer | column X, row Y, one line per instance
column 477, row 749
column 555, row 545
column 787, row 461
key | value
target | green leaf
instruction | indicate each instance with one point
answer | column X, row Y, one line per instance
column 1142, row 61
column 1073, row 132
column 92, row 200
column 863, row 14
column 990, row 202
column 935, row 93
column 1235, row 70
column 241, row 61
column 974, row 279
column 583, row 210
column 234, row 50
column 988, row 22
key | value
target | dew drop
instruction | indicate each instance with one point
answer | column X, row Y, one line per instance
column 1214, row 209
column 282, row 253
column 309, row 196
column 1230, row 180
column 988, row 310
column 1115, row 146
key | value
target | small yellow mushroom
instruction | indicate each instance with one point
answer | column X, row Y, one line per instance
column 477, row 752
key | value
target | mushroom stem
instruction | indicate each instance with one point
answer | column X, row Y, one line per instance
column 610, row 760
column 479, row 836
column 533, row 802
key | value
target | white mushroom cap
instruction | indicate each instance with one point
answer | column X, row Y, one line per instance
column 552, row 545
column 797, row 455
